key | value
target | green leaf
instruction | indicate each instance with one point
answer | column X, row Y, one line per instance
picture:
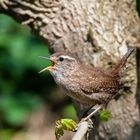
column 58, row 132
column 68, row 124
column 104, row 115
column 64, row 124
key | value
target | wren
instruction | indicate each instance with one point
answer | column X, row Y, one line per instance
column 84, row 83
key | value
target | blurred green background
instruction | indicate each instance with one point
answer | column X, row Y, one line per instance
column 22, row 89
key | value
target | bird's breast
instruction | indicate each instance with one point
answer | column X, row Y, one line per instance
column 66, row 82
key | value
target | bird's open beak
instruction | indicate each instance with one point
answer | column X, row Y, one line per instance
column 49, row 67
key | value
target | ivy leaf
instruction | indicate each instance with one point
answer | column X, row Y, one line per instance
column 104, row 115
column 64, row 124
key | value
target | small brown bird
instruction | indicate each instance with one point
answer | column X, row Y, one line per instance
column 86, row 84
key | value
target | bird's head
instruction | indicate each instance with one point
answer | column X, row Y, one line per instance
column 62, row 63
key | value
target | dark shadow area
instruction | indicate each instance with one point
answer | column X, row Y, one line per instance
column 136, row 132
column 138, row 77
column 138, row 6
column 135, row 135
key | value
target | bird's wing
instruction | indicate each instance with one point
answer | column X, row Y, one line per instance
column 99, row 84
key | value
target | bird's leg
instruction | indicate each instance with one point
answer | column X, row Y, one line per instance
column 81, row 109
column 87, row 111
column 95, row 109
column 101, row 98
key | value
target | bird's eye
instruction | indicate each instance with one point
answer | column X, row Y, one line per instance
column 61, row 59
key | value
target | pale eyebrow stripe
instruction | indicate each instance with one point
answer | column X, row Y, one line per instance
column 68, row 57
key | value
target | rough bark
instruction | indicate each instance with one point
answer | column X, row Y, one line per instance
column 98, row 32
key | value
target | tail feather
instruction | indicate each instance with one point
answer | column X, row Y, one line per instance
column 122, row 62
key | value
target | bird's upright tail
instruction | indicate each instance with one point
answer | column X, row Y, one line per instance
column 116, row 70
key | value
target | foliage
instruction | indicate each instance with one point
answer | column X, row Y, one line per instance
column 5, row 134
column 19, row 65
column 69, row 111
column 104, row 115
column 64, row 124
column 22, row 88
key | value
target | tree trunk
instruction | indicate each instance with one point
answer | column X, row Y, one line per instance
column 98, row 32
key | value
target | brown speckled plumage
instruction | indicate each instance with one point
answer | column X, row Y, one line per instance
column 84, row 83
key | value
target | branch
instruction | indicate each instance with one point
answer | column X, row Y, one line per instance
column 82, row 130
column 85, row 124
